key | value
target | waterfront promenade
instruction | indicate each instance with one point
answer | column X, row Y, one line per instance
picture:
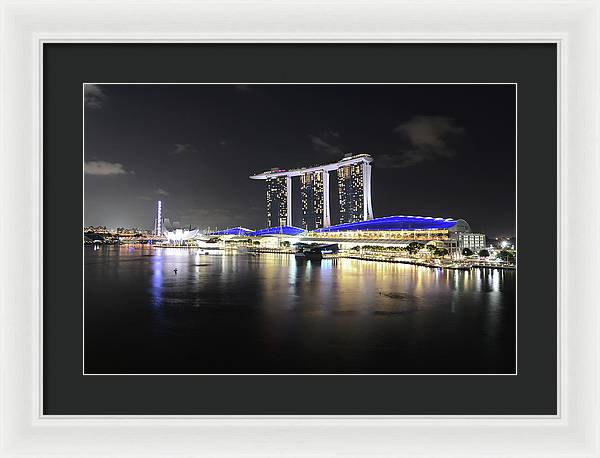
column 454, row 264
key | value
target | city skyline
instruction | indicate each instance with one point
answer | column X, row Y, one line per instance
column 193, row 147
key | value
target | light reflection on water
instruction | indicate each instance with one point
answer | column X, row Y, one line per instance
column 274, row 313
column 157, row 279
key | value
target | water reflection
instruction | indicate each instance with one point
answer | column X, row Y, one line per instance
column 274, row 313
column 157, row 278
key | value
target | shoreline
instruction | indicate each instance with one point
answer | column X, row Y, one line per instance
column 416, row 262
column 421, row 263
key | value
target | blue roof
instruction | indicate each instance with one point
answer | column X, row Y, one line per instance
column 283, row 230
column 233, row 231
column 393, row 223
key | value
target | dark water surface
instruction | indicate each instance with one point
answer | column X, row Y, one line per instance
column 271, row 313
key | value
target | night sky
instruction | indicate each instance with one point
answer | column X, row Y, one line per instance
column 439, row 150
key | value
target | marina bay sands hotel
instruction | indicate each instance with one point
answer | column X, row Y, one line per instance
column 354, row 191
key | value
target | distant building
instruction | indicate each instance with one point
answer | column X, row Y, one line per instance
column 401, row 230
column 180, row 236
column 276, row 237
column 354, row 190
column 357, row 226
column 313, row 187
column 96, row 229
column 276, row 231
column 158, row 221
column 474, row 242
column 237, row 231
column 354, row 183
column 279, row 201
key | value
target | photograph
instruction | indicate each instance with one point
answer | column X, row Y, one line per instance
column 299, row 228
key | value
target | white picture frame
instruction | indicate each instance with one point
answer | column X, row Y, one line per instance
column 573, row 25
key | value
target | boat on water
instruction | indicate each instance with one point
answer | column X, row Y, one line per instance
column 211, row 252
column 315, row 251
column 313, row 255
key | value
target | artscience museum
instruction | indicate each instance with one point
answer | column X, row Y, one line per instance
column 179, row 236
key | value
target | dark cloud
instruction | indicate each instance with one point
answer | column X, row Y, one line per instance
column 328, row 143
column 93, row 96
column 103, row 168
column 156, row 192
column 425, row 138
column 183, row 148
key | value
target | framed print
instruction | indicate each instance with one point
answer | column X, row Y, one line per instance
column 345, row 236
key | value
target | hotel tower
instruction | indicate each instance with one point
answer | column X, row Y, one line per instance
column 354, row 190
